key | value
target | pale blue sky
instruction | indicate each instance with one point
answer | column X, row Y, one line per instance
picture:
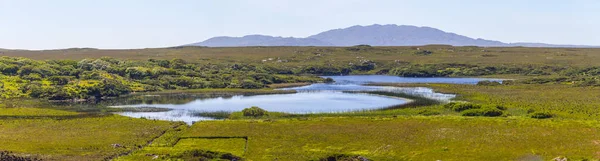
column 51, row 24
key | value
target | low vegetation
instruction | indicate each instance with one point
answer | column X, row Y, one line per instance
column 548, row 107
column 204, row 155
column 49, row 136
column 541, row 115
column 254, row 112
column 344, row 157
column 8, row 156
column 408, row 138
column 110, row 73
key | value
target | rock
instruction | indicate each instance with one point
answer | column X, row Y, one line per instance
column 117, row 146
column 560, row 159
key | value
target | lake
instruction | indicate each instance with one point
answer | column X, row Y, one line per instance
column 315, row 98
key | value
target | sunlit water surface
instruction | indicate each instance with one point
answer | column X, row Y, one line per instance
column 315, row 98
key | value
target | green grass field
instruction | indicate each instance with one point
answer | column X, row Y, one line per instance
column 400, row 138
column 320, row 55
column 87, row 138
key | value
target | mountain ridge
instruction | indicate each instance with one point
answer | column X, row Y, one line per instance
column 374, row 35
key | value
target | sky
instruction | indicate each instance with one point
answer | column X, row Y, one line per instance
column 120, row 24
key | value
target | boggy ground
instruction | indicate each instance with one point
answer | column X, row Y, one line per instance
column 427, row 132
column 407, row 134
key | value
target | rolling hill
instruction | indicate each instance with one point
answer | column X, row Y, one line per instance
column 375, row 35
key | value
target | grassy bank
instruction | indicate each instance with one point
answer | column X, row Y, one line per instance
column 565, row 101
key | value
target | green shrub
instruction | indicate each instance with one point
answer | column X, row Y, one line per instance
column 329, row 80
column 461, row 106
column 492, row 112
column 508, row 82
column 488, row 112
column 541, row 115
column 249, row 84
column 472, row 112
column 423, row 52
column 450, row 105
column 488, row 83
column 254, row 112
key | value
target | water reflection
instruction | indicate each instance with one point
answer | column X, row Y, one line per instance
column 315, row 98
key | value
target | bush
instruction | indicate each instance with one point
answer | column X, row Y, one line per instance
column 541, row 115
column 60, row 80
column 359, row 47
column 329, row 80
column 508, row 82
column 488, row 112
column 492, row 112
column 461, row 106
column 423, row 52
column 472, row 112
column 254, row 112
column 488, row 83
column 249, row 84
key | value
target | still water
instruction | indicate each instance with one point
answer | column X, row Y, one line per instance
column 315, row 98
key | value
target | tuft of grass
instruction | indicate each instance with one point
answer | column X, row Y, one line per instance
column 541, row 115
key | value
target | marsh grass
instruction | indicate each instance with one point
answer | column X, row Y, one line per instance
column 214, row 115
column 414, row 100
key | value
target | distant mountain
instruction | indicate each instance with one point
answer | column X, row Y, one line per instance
column 260, row 40
column 393, row 35
column 375, row 35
